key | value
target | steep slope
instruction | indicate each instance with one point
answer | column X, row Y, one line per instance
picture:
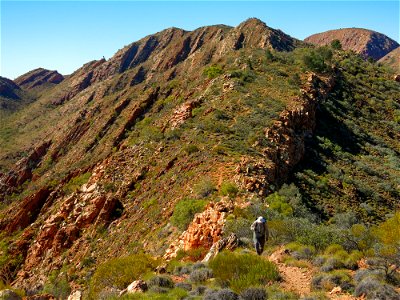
column 392, row 59
column 368, row 43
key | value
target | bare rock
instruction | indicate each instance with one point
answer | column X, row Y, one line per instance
column 204, row 230
column 77, row 295
column 230, row 243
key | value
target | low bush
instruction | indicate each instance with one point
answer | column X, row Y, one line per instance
column 184, row 285
column 184, row 212
column 224, row 294
column 242, row 270
column 367, row 286
column 229, row 189
column 57, row 285
column 360, row 275
column 198, row 290
column 204, row 188
column 200, row 275
column 327, row 281
column 120, row 272
column 213, row 71
column 161, row 281
column 331, row 263
column 76, row 182
column 254, row 294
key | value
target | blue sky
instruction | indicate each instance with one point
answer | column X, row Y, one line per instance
column 63, row 35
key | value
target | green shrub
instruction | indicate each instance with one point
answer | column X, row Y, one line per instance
column 204, row 188
column 336, row 44
column 76, row 182
column 57, row 285
column 239, row 226
column 242, row 270
column 185, row 210
column 229, row 189
column 120, row 272
column 189, row 149
column 213, row 71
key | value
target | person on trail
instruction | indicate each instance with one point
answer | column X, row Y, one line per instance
column 260, row 234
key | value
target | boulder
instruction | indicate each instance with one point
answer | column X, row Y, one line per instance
column 138, row 286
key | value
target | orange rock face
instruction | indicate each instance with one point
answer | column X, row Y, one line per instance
column 204, row 231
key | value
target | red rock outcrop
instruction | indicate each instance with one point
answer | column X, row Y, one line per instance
column 77, row 212
column 28, row 210
column 204, row 230
column 22, row 171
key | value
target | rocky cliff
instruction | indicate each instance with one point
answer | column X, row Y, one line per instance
column 368, row 43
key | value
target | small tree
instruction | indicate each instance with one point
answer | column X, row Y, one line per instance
column 336, row 44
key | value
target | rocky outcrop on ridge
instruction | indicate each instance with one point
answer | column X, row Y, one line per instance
column 166, row 49
column 368, row 43
column 287, row 135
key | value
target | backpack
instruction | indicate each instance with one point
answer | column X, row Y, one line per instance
column 259, row 229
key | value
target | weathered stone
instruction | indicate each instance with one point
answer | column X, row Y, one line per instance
column 77, row 295
column 204, row 231
column 230, row 243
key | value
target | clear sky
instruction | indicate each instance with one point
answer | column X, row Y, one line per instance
column 63, row 35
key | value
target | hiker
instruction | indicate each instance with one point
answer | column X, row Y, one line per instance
column 260, row 234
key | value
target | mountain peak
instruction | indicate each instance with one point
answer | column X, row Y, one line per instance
column 368, row 43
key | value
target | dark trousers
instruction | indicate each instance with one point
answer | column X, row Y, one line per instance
column 259, row 242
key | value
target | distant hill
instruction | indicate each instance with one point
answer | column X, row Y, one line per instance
column 38, row 77
column 368, row 43
column 392, row 59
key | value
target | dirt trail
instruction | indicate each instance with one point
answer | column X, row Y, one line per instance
column 298, row 280
column 294, row 279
